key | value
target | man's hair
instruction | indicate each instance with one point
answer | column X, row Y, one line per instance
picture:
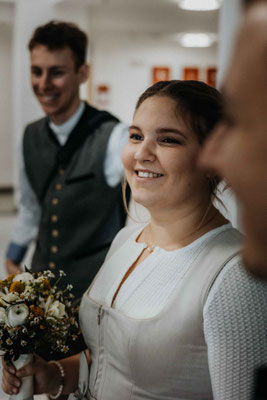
column 59, row 35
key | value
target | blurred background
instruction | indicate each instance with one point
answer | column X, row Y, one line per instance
column 132, row 44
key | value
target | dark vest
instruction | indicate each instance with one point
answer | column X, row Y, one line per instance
column 81, row 214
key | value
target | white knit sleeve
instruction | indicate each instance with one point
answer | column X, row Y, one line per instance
column 235, row 329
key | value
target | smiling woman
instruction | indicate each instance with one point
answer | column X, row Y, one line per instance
column 160, row 158
column 167, row 315
column 167, row 133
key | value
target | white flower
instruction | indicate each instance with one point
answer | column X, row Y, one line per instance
column 55, row 309
column 28, row 289
column 17, row 314
column 48, row 274
column 29, row 296
column 24, row 277
column 9, row 298
column 3, row 317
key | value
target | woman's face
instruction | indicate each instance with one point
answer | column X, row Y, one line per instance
column 160, row 158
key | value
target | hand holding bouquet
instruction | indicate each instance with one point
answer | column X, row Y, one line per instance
column 34, row 315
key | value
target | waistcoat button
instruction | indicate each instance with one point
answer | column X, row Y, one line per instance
column 54, row 233
column 54, row 249
column 54, row 218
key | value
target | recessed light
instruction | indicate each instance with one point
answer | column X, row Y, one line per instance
column 199, row 5
column 196, row 39
column 55, row 2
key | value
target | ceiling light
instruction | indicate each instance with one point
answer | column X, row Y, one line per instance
column 199, row 5
column 55, row 2
column 196, row 39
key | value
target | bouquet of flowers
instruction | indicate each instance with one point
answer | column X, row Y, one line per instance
column 35, row 314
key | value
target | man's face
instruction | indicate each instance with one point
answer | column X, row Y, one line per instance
column 237, row 150
column 55, row 81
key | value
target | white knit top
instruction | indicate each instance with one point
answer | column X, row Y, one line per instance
column 235, row 312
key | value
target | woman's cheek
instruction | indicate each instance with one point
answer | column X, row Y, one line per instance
column 126, row 157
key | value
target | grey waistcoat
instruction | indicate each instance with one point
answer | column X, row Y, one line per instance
column 154, row 358
column 81, row 214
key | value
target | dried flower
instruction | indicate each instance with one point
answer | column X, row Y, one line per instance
column 17, row 287
column 37, row 311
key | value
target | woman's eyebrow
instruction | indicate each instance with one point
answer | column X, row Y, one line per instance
column 161, row 130
column 170, row 130
column 134, row 127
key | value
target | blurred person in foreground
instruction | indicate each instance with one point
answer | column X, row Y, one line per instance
column 70, row 166
column 172, row 312
column 237, row 149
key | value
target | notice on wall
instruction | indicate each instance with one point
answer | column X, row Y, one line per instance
column 212, row 76
column 191, row 74
column 160, row 74
column 103, row 95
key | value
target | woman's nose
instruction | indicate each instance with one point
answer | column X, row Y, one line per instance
column 145, row 151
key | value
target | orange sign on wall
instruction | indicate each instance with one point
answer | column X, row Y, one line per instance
column 191, row 74
column 160, row 74
column 211, row 76
column 103, row 95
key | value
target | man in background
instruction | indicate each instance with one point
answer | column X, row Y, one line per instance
column 70, row 167
column 237, row 150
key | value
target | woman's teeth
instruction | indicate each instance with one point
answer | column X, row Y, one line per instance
column 143, row 174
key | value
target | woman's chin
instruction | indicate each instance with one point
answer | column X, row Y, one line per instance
column 144, row 202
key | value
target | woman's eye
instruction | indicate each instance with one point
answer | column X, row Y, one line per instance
column 135, row 137
column 170, row 140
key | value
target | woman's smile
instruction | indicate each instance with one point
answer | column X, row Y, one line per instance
column 144, row 174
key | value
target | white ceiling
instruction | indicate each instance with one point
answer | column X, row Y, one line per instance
column 155, row 17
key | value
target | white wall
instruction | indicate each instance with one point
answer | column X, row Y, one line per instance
column 228, row 24
column 6, row 128
column 125, row 62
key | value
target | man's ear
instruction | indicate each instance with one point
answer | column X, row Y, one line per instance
column 83, row 73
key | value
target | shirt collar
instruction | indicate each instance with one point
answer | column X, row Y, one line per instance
column 63, row 131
